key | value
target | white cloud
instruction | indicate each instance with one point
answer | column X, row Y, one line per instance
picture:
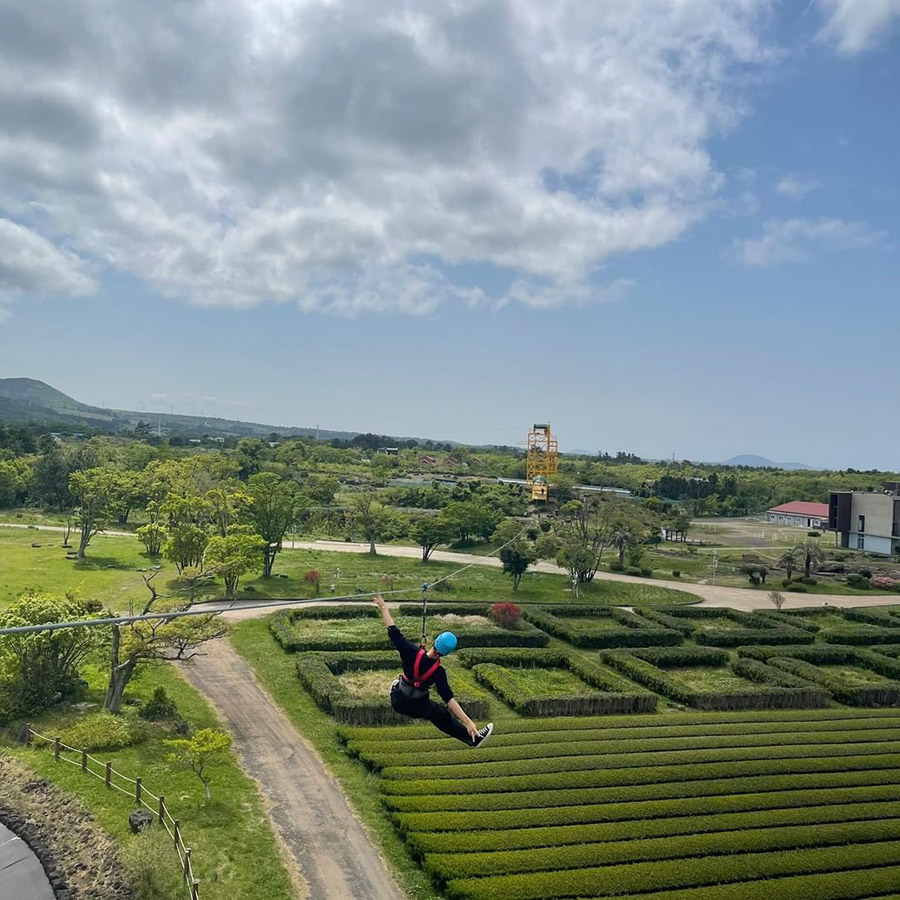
column 856, row 25
column 30, row 264
column 796, row 186
column 300, row 151
column 794, row 240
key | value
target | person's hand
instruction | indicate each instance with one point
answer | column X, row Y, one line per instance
column 379, row 601
column 473, row 731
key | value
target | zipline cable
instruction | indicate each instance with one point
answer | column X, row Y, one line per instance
column 194, row 611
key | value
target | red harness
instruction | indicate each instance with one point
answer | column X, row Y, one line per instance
column 419, row 677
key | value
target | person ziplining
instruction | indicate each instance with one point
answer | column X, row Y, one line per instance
column 422, row 670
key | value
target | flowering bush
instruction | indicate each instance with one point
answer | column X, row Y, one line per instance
column 314, row 578
column 883, row 582
column 506, row 614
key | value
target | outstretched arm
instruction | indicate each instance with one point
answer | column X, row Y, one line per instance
column 460, row 714
column 385, row 612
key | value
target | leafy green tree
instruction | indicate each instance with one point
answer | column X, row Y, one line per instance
column 227, row 504
column 370, row 518
column 42, row 665
column 789, row 561
column 585, row 531
column 93, row 490
column 320, row 490
column 197, row 753
column 15, row 481
column 472, row 519
column 429, row 533
column 274, row 506
column 128, row 493
column 516, row 558
column 232, row 556
column 152, row 536
column 547, row 546
column 185, row 546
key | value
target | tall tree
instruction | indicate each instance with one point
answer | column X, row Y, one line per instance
column 516, row 558
column 811, row 558
column 274, row 506
column 622, row 538
column 585, row 532
column 232, row 556
column 93, row 490
column 369, row 518
column 429, row 532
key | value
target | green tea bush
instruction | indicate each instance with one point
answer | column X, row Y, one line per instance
column 159, row 707
column 739, row 637
column 872, row 617
column 633, row 570
column 788, row 619
column 104, row 731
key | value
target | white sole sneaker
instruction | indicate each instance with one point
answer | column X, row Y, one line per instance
column 483, row 735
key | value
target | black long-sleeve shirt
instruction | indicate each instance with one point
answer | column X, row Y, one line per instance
column 408, row 652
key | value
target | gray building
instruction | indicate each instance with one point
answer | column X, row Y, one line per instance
column 866, row 520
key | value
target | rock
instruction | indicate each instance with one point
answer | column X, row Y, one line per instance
column 140, row 820
column 35, row 545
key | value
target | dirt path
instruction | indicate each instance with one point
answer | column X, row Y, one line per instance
column 332, row 850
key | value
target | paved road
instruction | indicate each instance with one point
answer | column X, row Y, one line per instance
column 333, row 851
column 22, row 877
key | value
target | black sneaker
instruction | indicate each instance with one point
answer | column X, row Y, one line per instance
column 484, row 734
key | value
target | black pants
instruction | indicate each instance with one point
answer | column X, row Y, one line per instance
column 436, row 713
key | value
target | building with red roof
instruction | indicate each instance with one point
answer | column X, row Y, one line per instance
column 799, row 513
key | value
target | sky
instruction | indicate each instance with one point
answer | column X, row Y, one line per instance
column 665, row 226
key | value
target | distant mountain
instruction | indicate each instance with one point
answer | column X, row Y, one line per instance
column 760, row 462
column 28, row 400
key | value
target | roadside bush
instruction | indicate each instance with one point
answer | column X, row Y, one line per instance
column 632, row 570
column 103, row 731
column 159, row 707
column 786, row 582
column 646, row 572
column 795, row 587
column 809, row 580
column 676, row 573
column 859, row 581
column 616, row 566
column 506, row 614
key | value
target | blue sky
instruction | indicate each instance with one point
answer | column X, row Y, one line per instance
column 680, row 237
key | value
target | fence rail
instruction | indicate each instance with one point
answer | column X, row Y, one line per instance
column 109, row 775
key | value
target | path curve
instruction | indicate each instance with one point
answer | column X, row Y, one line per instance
column 307, row 807
column 21, row 873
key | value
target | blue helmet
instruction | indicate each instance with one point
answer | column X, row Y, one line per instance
column 445, row 643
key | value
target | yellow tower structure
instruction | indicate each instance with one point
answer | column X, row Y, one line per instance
column 541, row 461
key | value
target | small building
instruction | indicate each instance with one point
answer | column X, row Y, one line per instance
column 866, row 520
column 427, row 460
column 800, row 514
column 218, row 440
column 389, row 451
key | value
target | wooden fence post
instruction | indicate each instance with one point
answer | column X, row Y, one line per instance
column 177, row 833
column 137, row 790
column 162, row 808
column 28, row 740
column 56, row 743
column 187, row 862
column 195, row 890
column 109, row 774
column 84, row 760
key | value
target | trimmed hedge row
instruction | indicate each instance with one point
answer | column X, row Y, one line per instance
column 640, row 775
column 879, row 617
column 639, row 668
column 873, row 770
column 642, row 877
column 738, row 637
column 635, row 631
column 446, row 866
column 608, row 701
column 651, row 726
column 654, row 614
column 832, row 793
column 859, row 636
column 788, row 619
column 642, row 829
column 892, row 650
column 547, row 764
column 395, row 755
column 677, row 657
column 513, row 657
column 804, row 661
column 318, row 673
column 281, row 624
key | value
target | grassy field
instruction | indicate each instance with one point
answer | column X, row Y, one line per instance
column 111, row 574
column 233, row 847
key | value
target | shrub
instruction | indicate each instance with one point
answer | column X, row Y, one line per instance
column 866, row 573
column 636, row 631
column 632, row 570
column 739, row 637
column 809, row 580
column 103, row 731
column 148, row 861
column 159, row 707
column 871, row 617
column 786, row 582
column 314, row 578
column 795, row 587
column 858, row 580
column 676, row 573
column 646, row 571
column 616, row 566
column 506, row 614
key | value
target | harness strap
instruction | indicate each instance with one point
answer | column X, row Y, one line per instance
column 419, row 677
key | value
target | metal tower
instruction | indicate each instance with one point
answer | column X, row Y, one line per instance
column 541, row 460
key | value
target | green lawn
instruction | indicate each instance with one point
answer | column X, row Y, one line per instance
column 709, row 679
column 110, row 573
column 233, row 848
column 855, row 676
column 549, row 683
